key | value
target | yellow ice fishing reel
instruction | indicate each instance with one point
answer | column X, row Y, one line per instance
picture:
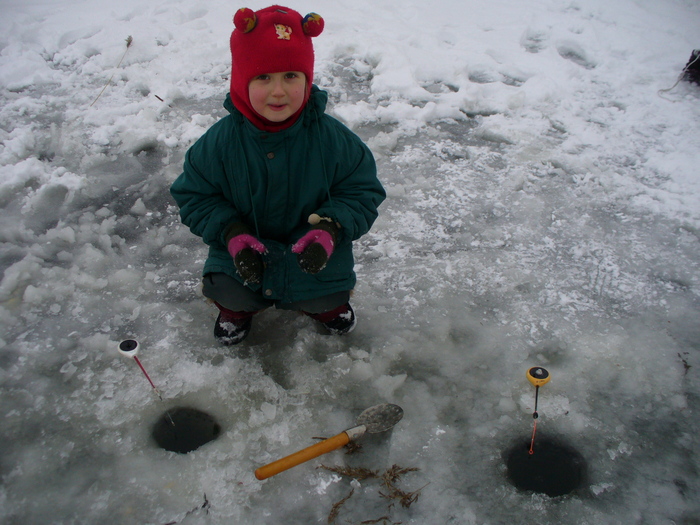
column 538, row 376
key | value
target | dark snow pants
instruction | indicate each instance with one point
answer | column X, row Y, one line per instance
column 231, row 294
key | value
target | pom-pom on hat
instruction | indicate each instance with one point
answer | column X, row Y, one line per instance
column 272, row 40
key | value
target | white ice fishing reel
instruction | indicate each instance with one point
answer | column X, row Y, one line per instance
column 129, row 348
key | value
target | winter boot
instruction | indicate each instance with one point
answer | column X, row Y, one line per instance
column 232, row 327
column 340, row 321
column 691, row 71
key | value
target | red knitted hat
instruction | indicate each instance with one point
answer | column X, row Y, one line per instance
column 273, row 40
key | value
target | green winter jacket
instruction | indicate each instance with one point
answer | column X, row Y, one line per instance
column 272, row 182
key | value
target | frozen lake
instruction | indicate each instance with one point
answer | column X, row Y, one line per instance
column 543, row 210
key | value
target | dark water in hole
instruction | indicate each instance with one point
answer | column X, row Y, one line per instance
column 192, row 428
column 554, row 469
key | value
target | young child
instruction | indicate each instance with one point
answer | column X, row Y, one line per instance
column 278, row 189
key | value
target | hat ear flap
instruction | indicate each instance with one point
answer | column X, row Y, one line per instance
column 312, row 24
column 245, row 19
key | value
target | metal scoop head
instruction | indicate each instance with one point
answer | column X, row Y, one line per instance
column 380, row 418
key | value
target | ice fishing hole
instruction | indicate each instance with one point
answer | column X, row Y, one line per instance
column 554, row 469
column 183, row 429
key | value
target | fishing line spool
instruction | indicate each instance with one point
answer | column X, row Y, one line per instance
column 538, row 376
column 129, row 348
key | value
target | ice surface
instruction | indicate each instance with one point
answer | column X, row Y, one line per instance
column 543, row 210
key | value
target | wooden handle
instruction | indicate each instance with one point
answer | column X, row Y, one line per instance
column 323, row 447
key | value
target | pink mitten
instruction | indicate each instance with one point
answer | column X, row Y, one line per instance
column 242, row 241
column 245, row 250
column 322, row 237
column 316, row 246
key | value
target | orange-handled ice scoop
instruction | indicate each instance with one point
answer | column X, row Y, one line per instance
column 375, row 419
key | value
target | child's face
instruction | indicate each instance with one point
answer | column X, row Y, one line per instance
column 277, row 96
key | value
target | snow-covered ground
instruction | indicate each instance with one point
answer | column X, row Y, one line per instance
column 543, row 209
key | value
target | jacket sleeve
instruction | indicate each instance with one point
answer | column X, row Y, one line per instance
column 198, row 192
column 355, row 192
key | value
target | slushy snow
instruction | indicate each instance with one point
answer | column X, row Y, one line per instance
column 543, row 210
